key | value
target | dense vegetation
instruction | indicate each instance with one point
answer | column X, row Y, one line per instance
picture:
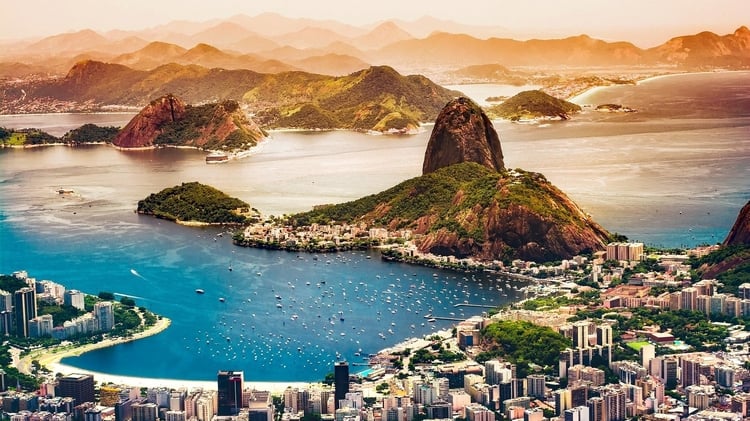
column 85, row 134
column 378, row 98
column 533, row 104
column 20, row 137
column 446, row 194
column 60, row 314
column 89, row 133
column 11, row 284
column 194, row 202
column 198, row 119
column 522, row 342
column 732, row 264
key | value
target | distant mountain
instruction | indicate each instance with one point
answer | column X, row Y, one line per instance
column 331, row 64
column 274, row 24
column 489, row 73
column 705, row 49
column 444, row 49
column 151, row 56
column 533, row 104
column 222, row 35
column 69, row 42
column 384, row 34
column 310, row 37
column 377, row 98
column 169, row 121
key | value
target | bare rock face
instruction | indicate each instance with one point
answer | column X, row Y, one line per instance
column 463, row 133
column 740, row 232
column 167, row 121
column 147, row 125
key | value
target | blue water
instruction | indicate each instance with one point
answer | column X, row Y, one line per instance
column 662, row 176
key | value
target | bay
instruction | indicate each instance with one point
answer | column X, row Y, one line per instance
column 662, row 176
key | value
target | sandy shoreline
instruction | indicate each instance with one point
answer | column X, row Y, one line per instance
column 51, row 359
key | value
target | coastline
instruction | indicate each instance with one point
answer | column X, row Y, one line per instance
column 52, row 357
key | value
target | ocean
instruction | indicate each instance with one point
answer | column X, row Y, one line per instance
column 673, row 174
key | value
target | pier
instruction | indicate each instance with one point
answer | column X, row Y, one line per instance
column 473, row 305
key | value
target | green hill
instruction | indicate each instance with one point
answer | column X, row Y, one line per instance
column 469, row 210
column 377, row 98
column 195, row 202
column 533, row 104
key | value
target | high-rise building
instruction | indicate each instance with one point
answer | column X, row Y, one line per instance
column 581, row 334
column 604, row 335
column 648, row 352
column 174, row 416
column 596, row 408
column 689, row 298
column 77, row 386
column 229, row 388
column 145, row 411
column 6, row 301
column 92, row 414
column 578, row 413
column 614, row 404
column 104, row 316
column 536, row 385
column 669, row 372
column 341, row 381
column 74, row 298
column 24, row 309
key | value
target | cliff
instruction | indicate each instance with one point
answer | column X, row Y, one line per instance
column 467, row 204
column 463, row 133
column 169, row 121
column 740, row 232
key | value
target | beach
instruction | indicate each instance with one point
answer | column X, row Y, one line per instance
column 51, row 359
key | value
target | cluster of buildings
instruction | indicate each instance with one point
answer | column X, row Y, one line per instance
column 318, row 236
column 18, row 311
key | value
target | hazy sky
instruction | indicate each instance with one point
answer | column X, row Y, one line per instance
column 642, row 21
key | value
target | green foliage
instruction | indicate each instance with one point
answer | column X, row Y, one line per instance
column 382, row 387
column 11, row 284
column 89, row 133
column 427, row 356
column 457, row 199
column 329, row 379
column 197, row 120
column 533, row 104
column 193, row 202
column 378, row 98
column 549, row 303
column 60, row 314
column 106, row 296
column 523, row 342
column 736, row 262
column 127, row 301
column 126, row 319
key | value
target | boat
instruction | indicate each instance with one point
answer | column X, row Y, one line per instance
column 217, row 158
column 199, row 291
column 221, row 299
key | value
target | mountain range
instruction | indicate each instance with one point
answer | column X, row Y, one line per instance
column 255, row 43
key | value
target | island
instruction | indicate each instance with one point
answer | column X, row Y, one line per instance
column 530, row 105
column 197, row 204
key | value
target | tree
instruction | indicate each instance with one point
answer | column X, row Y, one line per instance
column 107, row 296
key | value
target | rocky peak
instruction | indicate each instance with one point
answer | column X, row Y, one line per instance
column 740, row 232
column 463, row 133
column 147, row 125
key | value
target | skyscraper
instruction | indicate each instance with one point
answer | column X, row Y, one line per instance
column 341, row 381
column 77, row 386
column 105, row 316
column 229, row 387
column 24, row 309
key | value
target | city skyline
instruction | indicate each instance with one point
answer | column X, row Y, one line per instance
column 646, row 24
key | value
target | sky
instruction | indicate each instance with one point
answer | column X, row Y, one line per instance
column 644, row 22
